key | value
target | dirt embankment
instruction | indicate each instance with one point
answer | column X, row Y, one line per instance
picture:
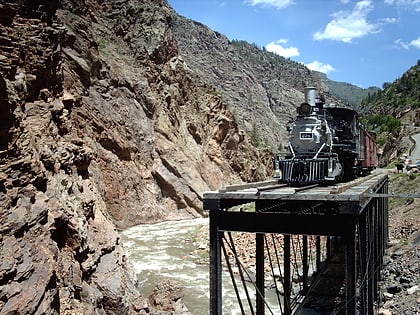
column 400, row 286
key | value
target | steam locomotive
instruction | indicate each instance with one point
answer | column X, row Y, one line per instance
column 327, row 144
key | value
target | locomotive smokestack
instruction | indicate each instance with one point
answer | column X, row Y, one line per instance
column 310, row 95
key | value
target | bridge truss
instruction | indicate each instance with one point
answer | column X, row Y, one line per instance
column 312, row 248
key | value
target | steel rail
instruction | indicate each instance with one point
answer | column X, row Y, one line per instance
column 392, row 195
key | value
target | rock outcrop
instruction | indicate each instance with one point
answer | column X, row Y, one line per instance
column 160, row 136
column 261, row 88
column 60, row 254
column 102, row 125
column 399, row 287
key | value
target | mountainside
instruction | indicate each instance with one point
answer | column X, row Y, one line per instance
column 256, row 84
column 102, row 124
column 394, row 113
column 261, row 88
column 348, row 93
column 60, row 253
column 399, row 96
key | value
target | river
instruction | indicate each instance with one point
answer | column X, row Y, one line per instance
column 167, row 250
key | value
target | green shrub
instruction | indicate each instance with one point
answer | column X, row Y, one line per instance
column 382, row 123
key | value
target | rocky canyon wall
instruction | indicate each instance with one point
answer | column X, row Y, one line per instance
column 102, row 125
column 160, row 136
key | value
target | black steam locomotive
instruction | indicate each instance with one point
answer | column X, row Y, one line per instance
column 327, row 144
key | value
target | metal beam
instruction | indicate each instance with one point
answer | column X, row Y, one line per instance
column 364, row 263
column 215, row 267
column 259, row 270
column 282, row 223
column 351, row 272
column 318, row 253
column 305, row 263
column 287, row 276
column 392, row 195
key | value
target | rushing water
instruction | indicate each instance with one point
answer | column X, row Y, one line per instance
column 167, row 251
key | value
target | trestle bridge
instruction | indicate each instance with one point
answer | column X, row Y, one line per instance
column 314, row 250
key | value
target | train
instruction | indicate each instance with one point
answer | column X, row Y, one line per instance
column 327, row 144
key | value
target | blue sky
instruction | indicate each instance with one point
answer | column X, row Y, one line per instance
column 365, row 43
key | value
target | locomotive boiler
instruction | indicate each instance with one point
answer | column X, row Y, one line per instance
column 327, row 144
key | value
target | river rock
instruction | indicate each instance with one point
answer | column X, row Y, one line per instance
column 394, row 288
column 167, row 296
column 384, row 311
column 388, row 296
column 413, row 289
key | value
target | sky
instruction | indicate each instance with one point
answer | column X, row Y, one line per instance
column 365, row 43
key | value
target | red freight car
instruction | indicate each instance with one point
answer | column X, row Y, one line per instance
column 370, row 160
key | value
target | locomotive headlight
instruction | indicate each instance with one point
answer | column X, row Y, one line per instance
column 305, row 109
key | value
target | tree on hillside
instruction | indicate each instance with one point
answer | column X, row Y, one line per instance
column 385, row 85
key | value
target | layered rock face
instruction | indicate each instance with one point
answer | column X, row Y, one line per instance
column 60, row 254
column 160, row 136
column 261, row 88
column 102, row 125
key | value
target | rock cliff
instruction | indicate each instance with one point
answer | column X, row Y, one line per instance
column 60, row 252
column 261, row 88
column 103, row 125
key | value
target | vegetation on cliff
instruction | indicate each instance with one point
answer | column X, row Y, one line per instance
column 400, row 95
column 393, row 113
column 348, row 93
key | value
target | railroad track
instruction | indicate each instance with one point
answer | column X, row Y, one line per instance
column 355, row 190
column 275, row 184
column 265, row 186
